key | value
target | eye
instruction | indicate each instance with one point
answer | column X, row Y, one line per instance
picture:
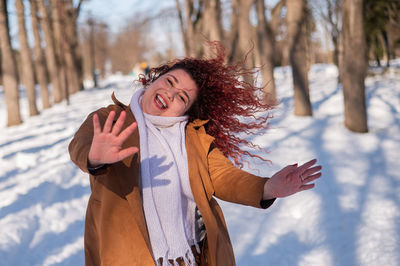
column 170, row 82
column 182, row 98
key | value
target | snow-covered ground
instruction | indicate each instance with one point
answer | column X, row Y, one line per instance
column 352, row 217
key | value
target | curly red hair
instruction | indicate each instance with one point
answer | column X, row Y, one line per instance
column 223, row 98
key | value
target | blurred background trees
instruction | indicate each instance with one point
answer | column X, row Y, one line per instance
column 65, row 54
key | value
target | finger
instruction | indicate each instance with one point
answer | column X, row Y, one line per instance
column 109, row 121
column 311, row 171
column 127, row 152
column 312, row 177
column 96, row 125
column 127, row 132
column 306, row 187
column 118, row 125
column 306, row 165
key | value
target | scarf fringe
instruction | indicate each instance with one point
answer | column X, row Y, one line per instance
column 188, row 259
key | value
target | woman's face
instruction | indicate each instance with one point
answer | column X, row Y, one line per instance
column 172, row 94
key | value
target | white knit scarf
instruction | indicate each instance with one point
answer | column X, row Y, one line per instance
column 168, row 202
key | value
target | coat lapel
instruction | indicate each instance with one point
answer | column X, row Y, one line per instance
column 198, row 173
column 131, row 185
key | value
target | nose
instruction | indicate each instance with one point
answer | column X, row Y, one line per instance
column 172, row 92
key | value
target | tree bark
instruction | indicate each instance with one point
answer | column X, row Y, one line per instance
column 51, row 58
column 8, row 67
column 26, row 60
column 73, row 53
column 183, row 29
column 189, row 21
column 246, row 36
column 72, row 78
column 354, row 66
column 193, row 26
column 387, row 48
column 58, row 43
column 334, row 9
column 39, row 61
column 234, row 33
column 297, row 44
column 265, row 50
column 212, row 22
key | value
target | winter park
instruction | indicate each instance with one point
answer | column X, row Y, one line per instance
column 349, row 122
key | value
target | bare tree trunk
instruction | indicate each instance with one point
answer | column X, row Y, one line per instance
column 56, row 26
column 91, row 25
column 39, row 62
column 265, row 50
column 188, row 20
column 274, row 24
column 333, row 16
column 354, row 66
column 8, row 67
column 234, row 33
column 297, row 44
column 212, row 22
column 26, row 60
column 183, row 29
column 193, row 26
column 387, row 48
column 72, row 78
column 246, row 36
column 73, row 55
column 50, row 52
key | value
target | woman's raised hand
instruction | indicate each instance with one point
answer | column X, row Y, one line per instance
column 106, row 146
column 292, row 179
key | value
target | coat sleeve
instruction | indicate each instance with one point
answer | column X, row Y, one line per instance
column 80, row 144
column 235, row 185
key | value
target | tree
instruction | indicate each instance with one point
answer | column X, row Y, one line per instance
column 331, row 16
column 128, row 47
column 58, row 45
column 92, row 49
column 246, row 35
column 265, row 49
column 212, row 22
column 297, row 44
column 190, row 20
column 73, row 55
column 8, row 67
column 354, row 65
column 51, row 58
column 26, row 60
column 39, row 60
column 378, row 14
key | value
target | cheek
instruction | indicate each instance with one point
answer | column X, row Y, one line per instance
column 179, row 109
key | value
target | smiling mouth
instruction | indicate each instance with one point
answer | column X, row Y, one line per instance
column 160, row 102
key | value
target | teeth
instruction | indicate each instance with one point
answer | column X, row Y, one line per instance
column 161, row 100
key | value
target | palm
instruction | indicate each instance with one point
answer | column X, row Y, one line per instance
column 291, row 180
column 106, row 146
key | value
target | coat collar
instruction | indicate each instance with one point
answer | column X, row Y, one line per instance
column 198, row 123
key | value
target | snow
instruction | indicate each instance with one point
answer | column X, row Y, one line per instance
column 351, row 217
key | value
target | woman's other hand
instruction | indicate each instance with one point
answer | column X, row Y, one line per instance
column 106, row 146
column 292, row 179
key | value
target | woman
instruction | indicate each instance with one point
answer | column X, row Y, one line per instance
column 156, row 206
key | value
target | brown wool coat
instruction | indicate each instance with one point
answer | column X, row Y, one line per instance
column 115, row 227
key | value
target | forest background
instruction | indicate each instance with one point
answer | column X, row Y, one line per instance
column 67, row 45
